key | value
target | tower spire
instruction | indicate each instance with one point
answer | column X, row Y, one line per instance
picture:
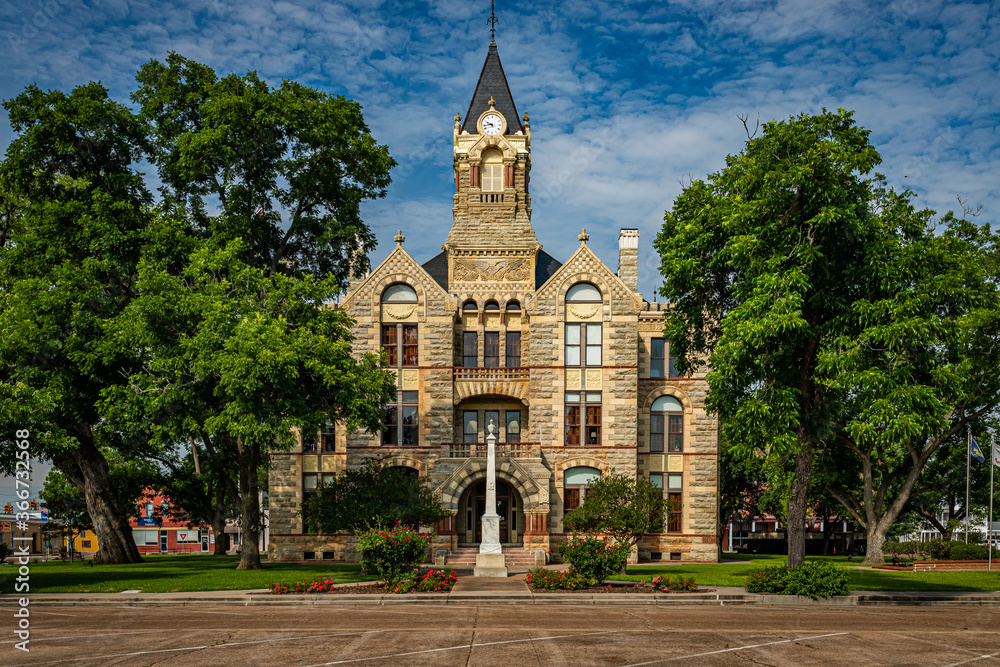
column 492, row 20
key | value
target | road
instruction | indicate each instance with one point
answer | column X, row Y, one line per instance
column 493, row 636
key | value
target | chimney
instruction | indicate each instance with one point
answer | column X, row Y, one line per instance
column 628, row 258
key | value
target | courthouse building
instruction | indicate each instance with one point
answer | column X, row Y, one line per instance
column 564, row 357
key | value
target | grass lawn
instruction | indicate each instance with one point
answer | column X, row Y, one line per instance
column 170, row 573
column 733, row 574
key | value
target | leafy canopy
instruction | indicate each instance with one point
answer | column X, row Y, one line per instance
column 374, row 497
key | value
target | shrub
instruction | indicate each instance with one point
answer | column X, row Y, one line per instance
column 661, row 584
column 766, row 579
column 391, row 554
column 963, row 551
column 815, row 580
column 549, row 580
column 432, row 581
column 4, row 551
column 595, row 558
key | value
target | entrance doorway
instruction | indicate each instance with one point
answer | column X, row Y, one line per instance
column 473, row 506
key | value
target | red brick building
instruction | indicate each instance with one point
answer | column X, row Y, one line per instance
column 156, row 532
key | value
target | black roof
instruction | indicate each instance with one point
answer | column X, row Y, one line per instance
column 545, row 267
column 437, row 268
column 492, row 84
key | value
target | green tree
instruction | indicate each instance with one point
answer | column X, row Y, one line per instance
column 243, row 359
column 764, row 262
column 375, row 496
column 923, row 371
column 267, row 186
column 622, row 506
column 67, row 271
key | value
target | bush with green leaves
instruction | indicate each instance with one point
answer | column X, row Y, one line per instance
column 594, row 557
column 391, row 554
column 554, row 581
column 963, row 551
column 432, row 581
column 766, row 579
column 815, row 580
column 673, row 585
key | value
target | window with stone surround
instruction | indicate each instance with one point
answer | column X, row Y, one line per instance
column 491, row 349
column 470, row 426
column 513, row 429
column 673, row 494
column 401, row 420
column 470, row 349
column 660, row 359
column 583, row 418
column 666, row 425
column 576, row 481
column 513, row 349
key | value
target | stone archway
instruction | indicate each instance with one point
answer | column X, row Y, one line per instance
column 508, row 471
column 472, row 506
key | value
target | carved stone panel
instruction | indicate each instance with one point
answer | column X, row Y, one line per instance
column 491, row 270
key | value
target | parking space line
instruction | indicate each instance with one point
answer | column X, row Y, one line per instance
column 978, row 657
column 211, row 646
column 737, row 648
column 106, row 634
column 465, row 646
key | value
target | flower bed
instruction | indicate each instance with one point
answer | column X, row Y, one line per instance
column 547, row 580
column 432, row 581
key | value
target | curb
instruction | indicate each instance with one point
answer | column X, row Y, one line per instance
column 512, row 598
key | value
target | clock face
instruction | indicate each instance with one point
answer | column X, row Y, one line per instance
column 492, row 124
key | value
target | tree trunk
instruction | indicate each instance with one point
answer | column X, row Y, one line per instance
column 876, row 538
column 798, row 505
column 249, row 506
column 89, row 473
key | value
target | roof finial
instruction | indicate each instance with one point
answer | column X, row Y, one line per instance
column 492, row 20
column 492, row 102
column 399, row 238
column 583, row 237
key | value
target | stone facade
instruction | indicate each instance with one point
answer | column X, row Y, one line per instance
column 567, row 359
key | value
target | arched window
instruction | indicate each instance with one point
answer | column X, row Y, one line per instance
column 575, row 484
column 583, row 292
column 492, row 171
column 470, row 305
column 513, row 305
column 399, row 293
column 666, row 425
column 491, row 305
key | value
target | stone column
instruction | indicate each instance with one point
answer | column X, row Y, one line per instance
column 490, row 561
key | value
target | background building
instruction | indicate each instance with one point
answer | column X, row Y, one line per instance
column 566, row 359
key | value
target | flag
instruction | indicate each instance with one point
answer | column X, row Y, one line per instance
column 259, row 211
column 977, row 453
column 996, row 453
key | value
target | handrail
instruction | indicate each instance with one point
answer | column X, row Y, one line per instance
column 493, row 373
column 477, row 450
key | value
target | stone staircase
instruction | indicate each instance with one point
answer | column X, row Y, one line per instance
column 465, row 557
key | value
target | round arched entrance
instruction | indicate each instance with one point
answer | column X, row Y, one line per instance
column 472, row 506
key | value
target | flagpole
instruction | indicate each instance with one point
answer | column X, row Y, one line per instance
column 989, row 526
column 968, row 461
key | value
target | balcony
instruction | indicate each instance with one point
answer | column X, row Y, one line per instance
column 502, row 381
column 508, row 450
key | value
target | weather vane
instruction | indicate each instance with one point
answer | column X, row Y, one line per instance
column 492, row 20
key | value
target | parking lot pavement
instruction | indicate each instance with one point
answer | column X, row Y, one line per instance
column 519, row 635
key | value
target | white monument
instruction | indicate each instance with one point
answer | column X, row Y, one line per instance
column 490, row 561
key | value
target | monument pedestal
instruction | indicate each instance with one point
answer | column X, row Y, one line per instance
column 490, row 565
column 490, row 561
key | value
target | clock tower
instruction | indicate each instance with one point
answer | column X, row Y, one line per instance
column 491, row 237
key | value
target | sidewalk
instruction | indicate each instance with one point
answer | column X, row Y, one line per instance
column 504, row 591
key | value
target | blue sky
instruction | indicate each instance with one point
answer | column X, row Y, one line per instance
column 627, row 99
